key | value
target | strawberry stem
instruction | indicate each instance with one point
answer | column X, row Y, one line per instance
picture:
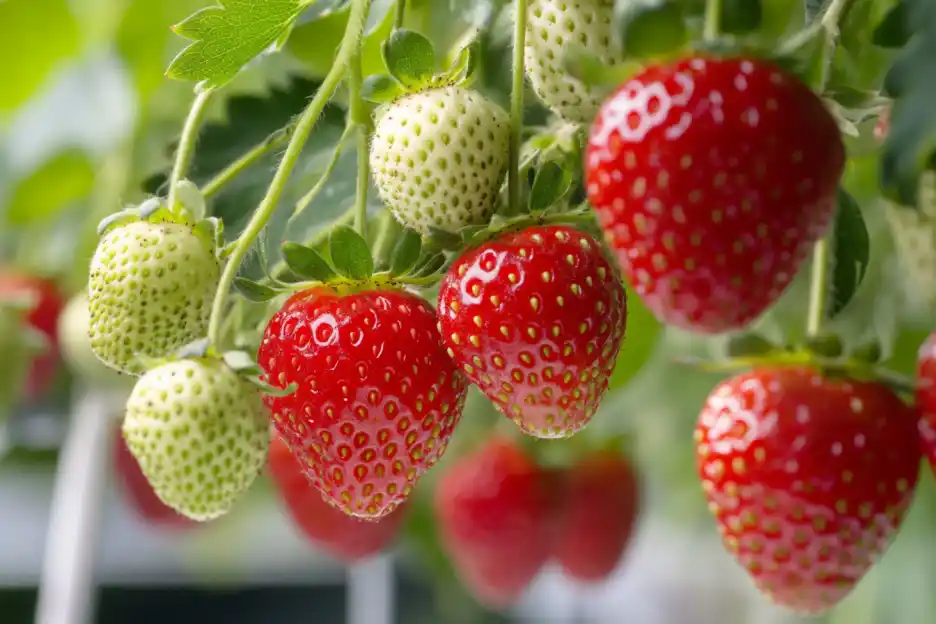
column 346, row 51
column 400, row 17
column 357, row 115
column 516, row 107
column 713, row 19
column 186, row 149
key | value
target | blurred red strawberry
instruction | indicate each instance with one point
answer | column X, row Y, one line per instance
column 345, row 537
column 48, row 305
column 139, row 493
column 495, row 509
column 597, row 516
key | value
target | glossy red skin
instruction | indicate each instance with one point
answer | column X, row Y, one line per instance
column 712, row 179
column 495, row 511
column 346, row 538
column 926, row 397
column 377, row 398
column 43, row 318
column 597, row 516
column 139, row 493
column 808, row 478
column 541, row 349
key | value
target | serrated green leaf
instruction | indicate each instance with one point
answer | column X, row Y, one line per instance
column 228, row 36
column 410, row 58
column 641, row 340
column 741, row 16
column 65, row 178
column 28, row 61
column 406, row 253
column 650, row 28
column 851, row 252
column 306, row 263
column 381, row 89
column 550, row 185
column 254, row 291
column 350, row 253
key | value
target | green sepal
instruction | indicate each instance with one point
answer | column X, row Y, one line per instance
column 254, row 291
column 649, row 28
column 430, row 265
column 272, row 390
column 123, row 217
column 870, row 352
column 350, row 254
column 212, row 229
column 196, row 349
column 381, row 89
column 551, row 184
column 851, row 253
column 593, row 71
column 464, row 68
column 191, row 199
column 306, row 263
column 241, row 362
column 406, row 253
column 825, row 345
column 749, row 344
column 410, row 58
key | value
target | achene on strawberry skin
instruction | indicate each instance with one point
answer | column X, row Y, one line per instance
column 712, row 178
column 809, row 478
column 377, row 400
column 536, row 318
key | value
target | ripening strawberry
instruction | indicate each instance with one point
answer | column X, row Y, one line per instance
column 347, row 538
column 809, row 478
column 712, row 179
column 494, row 509
column 439, row 157
column 553, row 26
column 926, row 397
column 151, row 289
column 200, row 433
column 377, row 397
column 597, row 516
column 536, row 318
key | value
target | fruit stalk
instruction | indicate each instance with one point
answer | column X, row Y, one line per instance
column 713, row 18
column 516, row 106
column 400, row 17
column 186, row 149
column 349, row 43
column 357, row 115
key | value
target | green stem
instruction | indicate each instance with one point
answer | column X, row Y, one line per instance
column 516, row 107
column 358, row 116
column 818, row 291
column 713, row 19
column 186, row 149
column 349, row 43
column 400, row 15
column 239, row 166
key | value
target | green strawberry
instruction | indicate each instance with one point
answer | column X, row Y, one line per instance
column 200, row 433
column 914, row 234
column 439, row 157
column 74, row 343
column 151, row 290
column 553, row 26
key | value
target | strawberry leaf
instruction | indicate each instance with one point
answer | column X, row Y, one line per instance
column 350, row 253
column 254, row 291
column 550, row 185
column 852, row 252
column 650, row 27
column 228, row 36
column 306, row 263
column 741, row 16
column 406, row 253
column 410, row 58
column 641, row 341
column 380, row 89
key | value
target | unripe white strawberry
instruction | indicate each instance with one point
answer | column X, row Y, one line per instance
column 150, row 291
column 74, row 343
column 553, row 27
column 200, row 433
column 914, row 234
column 439, row 157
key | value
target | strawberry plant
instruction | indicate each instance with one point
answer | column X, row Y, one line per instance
column 448, row 256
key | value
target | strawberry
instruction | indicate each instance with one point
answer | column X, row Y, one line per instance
column 47, row 305
column 344, row 537
column 494, row 509
column 914, row 233
column 597, row 516
column 139, row 492
column 926, row 397
column 151, row 290
column 712, row 179
column 552, row 25
column 377, row 396
column 439, row 157
column 809, row 478
column 200, row 434
column 535, row 318
column 75, row 344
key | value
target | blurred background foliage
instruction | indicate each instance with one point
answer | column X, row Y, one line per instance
column 88, row 124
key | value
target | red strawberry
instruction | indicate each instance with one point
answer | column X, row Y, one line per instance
column 495, row 509
column 536, row 318
column 809, row 478
column 926, row 397
column 712, row 178
column 140, row 493
column 597, row 517
column 49, row 303
column 377, row 398
column 344, row 537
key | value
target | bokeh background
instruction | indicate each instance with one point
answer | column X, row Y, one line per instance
column 87, row 123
